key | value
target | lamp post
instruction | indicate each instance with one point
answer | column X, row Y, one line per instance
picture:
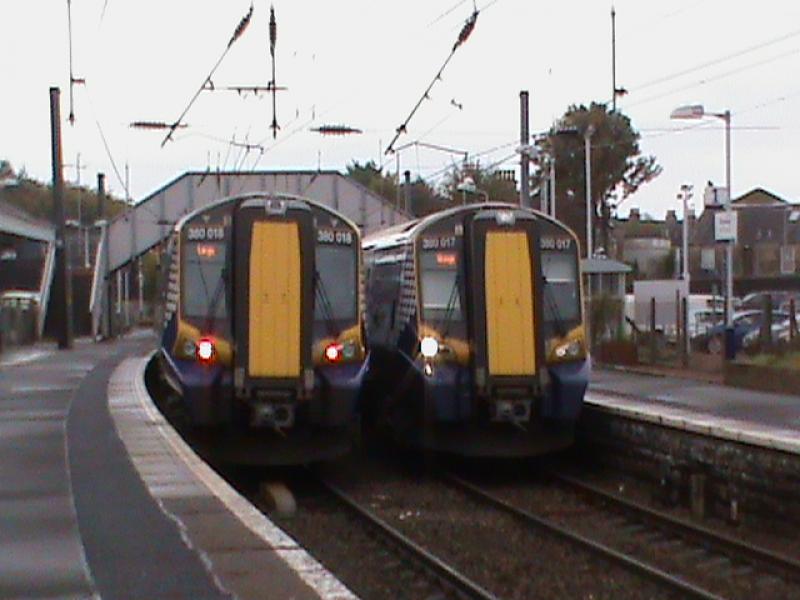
column 587, row 142
column 685, row 195
column 697, row 111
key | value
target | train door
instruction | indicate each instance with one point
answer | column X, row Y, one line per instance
column 504, row 312
column 274, row 266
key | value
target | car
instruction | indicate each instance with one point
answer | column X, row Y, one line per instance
column 781, row 332
column 744, row 322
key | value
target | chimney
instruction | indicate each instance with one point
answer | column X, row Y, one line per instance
column 672, row 218
column 634, row 217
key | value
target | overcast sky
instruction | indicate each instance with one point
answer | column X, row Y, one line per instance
column 364, row 63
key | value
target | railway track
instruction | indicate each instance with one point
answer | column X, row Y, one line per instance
column 690, row 560
column 426, row 575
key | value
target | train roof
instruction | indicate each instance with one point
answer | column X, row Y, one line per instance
column 256, row 195
column 405, row 232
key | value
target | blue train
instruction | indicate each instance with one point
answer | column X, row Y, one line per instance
column 475, row 328
column 262, row 337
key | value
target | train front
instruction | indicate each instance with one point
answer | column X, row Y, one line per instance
column 501, row 351
column 269, row 344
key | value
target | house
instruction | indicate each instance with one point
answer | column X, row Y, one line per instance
column 767, row 247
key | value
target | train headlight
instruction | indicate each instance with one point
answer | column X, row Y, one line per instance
column 205, row 350
column 333, row 352
column 428, row 346
column 569, row 350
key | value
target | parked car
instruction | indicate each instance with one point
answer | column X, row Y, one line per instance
column 744, row 322
column 780, row 332
column 780, row 300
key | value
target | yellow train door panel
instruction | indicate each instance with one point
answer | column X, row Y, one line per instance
column 509, row 304
column 274, row 325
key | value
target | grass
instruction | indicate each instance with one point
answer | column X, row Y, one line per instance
column 790, row 360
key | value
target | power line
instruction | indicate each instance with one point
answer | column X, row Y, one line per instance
column 715, row 78
column 463, row 35
column 237, row 33
column 717, row 61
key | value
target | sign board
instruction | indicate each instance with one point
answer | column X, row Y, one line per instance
column 715, row 196
column 788, row 264
column 725, row 226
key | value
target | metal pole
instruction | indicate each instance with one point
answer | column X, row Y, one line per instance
column 613, row 60
column 524, row 159
column 407, row 190
column 63, row 293
column 587, row 139
column 552, row 196
column 729, row 208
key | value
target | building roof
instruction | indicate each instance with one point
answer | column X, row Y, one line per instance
column 759, row 197
column 18, row 222
column 603, row 266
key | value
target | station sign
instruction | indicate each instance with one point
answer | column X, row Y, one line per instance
column 725, row 226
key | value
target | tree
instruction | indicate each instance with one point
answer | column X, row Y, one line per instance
column 423, row 199
column 488, row 181
column 618, row 167
column 370, row 176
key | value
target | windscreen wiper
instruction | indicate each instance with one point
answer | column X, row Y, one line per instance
column 325, row 305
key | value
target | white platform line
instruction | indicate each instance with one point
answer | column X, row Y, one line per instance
column 127, row 383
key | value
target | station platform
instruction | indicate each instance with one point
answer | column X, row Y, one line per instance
column 712, row 409
column 99, row 497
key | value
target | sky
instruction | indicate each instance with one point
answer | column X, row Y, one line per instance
column 364, row 63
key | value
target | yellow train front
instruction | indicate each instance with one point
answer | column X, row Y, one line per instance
column 262, row 335
column 475, row 330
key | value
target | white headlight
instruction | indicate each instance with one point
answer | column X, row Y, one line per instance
column 429, row 347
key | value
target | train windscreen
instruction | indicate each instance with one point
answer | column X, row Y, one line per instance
column 562, row 292
column 336, row 293
column 440, row 290
column 203, row 290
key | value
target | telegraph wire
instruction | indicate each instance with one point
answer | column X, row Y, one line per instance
column 716, row 61
column 466, row 30
column 707, row 80
column 237, row 33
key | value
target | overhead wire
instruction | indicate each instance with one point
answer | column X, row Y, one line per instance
column 463, row 35
column 237, row 33
column 716, row 61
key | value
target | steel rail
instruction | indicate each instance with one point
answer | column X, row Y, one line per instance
column 662, row 577
column 441, row 570
column 781, row 564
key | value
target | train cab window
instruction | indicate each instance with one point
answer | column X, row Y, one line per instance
column 336, row 295
column 203, row 290
column 561, row 293
column 441, row 296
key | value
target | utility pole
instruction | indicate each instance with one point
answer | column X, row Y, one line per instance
column 105, row 324
column 613, row 59
column 63, row 292
column 524, row 161
column 587, row 140
column 407, row 191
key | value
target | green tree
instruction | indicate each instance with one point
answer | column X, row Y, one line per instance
column 370, row 176
column 618, row 167
column 423, row 199
column 490, row 184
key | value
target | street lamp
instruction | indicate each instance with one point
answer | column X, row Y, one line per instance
column 587, row 143
column 696, row 111
column 685, row 195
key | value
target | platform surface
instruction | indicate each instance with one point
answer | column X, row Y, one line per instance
column 100, row 498
column 761, row 418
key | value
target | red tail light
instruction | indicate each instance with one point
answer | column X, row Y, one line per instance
column 333, row 352
column 205, row 350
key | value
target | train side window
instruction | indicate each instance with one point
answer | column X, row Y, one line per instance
column 561, row 293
